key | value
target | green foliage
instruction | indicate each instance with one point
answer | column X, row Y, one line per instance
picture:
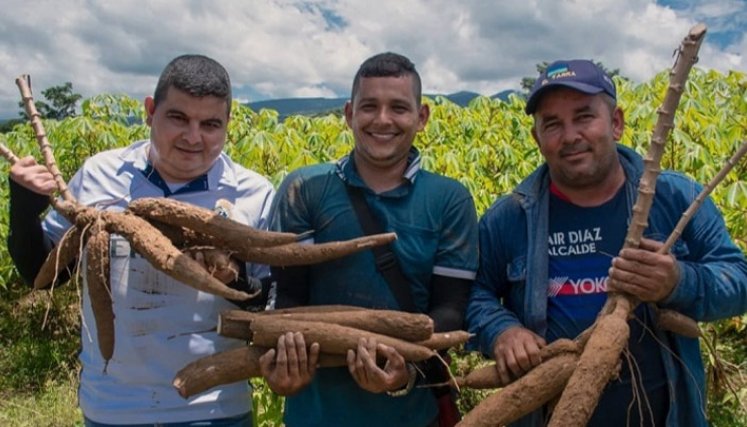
column 35, row 331
column 726, row 365
column 267, row 407
column 61, row 102
column 487, row 146
column 38, row 348
column 55, row 405
column 462, row 363
column 8, row 125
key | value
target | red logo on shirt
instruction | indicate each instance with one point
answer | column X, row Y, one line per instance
column 582, row 286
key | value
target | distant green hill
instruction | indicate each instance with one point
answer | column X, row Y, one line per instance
column 7, row 124
column 313, row 106
column 303, row 106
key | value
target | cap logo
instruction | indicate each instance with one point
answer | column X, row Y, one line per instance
column 560, row 73
column 576, row 74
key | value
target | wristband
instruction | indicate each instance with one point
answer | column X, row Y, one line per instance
column 410, row 383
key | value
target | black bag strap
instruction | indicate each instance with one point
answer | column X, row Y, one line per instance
column 386, row 260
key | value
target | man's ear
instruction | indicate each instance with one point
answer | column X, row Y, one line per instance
column 150, row 109
column 348, row 110
column 423, row 114
column 534, row 134
column 618, row 123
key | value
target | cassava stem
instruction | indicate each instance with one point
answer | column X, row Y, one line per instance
column 62, row 254
column 674, row 321
column 24, row 85
column 685, row 60
column 8, row 154
column 695, row 205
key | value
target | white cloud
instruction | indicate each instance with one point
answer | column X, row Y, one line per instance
column 287, row 48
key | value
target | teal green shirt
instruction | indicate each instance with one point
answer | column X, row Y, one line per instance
column 435, row 221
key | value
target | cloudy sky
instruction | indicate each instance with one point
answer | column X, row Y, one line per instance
column 288, row 48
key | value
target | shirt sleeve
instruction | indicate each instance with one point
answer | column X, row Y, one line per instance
column 261, row 271
column 27, row 245
column 456, row 255
column 486, row 316
column 289, row 214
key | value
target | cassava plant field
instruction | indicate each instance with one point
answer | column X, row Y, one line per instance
column 487, row 146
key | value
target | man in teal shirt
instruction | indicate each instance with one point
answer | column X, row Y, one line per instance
column 435, row 221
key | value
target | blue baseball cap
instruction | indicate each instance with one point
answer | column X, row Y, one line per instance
column 579, row 74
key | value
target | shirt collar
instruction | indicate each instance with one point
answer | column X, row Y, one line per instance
column 221, row 173
column 347, row 171
column 201, row 183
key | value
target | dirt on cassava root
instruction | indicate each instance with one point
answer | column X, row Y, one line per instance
column 333, row 339
column 233, row 234
column 398, row 324
column 220, row 368
column 445, row 340
column 61, row 256
column 524, row 395
column 231, row 366
column 164, row 256
column 99, row 291
column 597, row 364
column 487, row 376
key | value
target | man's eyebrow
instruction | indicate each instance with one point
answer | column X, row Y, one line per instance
column 182, row 113
column 395, row 101
column 366, row 99
column 583, row 109
column 547, row 116
column 213, row 120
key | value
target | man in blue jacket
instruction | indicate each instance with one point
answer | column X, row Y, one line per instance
column 547, row 257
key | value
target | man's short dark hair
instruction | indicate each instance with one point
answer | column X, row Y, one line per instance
column 196, row 75
column 387, row 64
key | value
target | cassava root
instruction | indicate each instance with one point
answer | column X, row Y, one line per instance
column 99, row 291
column 398, row 324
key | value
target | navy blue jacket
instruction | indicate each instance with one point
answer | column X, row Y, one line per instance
column 511, row 284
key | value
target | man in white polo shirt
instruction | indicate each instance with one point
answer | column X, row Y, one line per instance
column 160, row 324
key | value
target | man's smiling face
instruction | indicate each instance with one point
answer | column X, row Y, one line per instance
column 187, row 134
column 385, row 116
